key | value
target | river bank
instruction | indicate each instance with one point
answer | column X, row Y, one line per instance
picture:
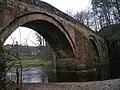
column 95, row 85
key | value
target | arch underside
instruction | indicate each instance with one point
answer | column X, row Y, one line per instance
column 94, row 56
column 95, row 53
column 49, row 28
column 54, row 36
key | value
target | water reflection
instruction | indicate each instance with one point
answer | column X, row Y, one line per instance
column 39, row 75
column 30, row 75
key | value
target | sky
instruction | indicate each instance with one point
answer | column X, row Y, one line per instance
column 74, row 5
column 28, row 35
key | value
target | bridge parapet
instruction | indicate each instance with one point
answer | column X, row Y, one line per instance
column 41, row 6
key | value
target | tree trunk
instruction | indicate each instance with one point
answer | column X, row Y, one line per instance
column 2, row 70
column 118, row 9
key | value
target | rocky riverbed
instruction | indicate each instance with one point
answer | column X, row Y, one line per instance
column 95, row 85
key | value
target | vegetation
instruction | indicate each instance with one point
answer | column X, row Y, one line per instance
column 3, row 4
column 4, row 60
column 101, row 13
column 112, row 36
column 33, row 63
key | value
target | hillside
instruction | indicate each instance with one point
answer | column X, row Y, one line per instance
column 110, row 32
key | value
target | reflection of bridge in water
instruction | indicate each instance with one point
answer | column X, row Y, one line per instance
column 76, row 47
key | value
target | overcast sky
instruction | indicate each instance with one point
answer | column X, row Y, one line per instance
column 75, row 5
column 63, row 5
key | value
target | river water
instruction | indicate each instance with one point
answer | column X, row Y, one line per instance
column 29, row 75
column 40, row 75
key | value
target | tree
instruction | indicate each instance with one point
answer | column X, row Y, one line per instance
column 6, row 63
column 39, row 39
column 83, row 17
column 3, row 4
column 107, row 11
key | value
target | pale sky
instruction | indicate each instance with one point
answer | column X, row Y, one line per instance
column 63, row 5
column 75, row 5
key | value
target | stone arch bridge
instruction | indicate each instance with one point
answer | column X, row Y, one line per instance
column 76, row 47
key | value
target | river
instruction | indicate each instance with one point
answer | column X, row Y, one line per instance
column 29, row 75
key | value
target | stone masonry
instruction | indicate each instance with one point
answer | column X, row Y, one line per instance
column 88, row 49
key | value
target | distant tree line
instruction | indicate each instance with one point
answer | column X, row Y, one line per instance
column 101, row 13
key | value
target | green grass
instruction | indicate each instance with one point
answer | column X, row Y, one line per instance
column 34, row 63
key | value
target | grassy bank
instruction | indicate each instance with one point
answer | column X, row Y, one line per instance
column 34, row 63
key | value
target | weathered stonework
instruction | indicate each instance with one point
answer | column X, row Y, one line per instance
column 88, row 49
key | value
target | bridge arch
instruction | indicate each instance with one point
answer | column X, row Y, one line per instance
column 95, row 56
column 46, row 25
column 94, row 46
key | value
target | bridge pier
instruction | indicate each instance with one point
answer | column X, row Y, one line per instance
column 71, row 71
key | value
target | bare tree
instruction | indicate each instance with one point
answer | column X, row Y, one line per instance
column 84, row 17
column 40, row 39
